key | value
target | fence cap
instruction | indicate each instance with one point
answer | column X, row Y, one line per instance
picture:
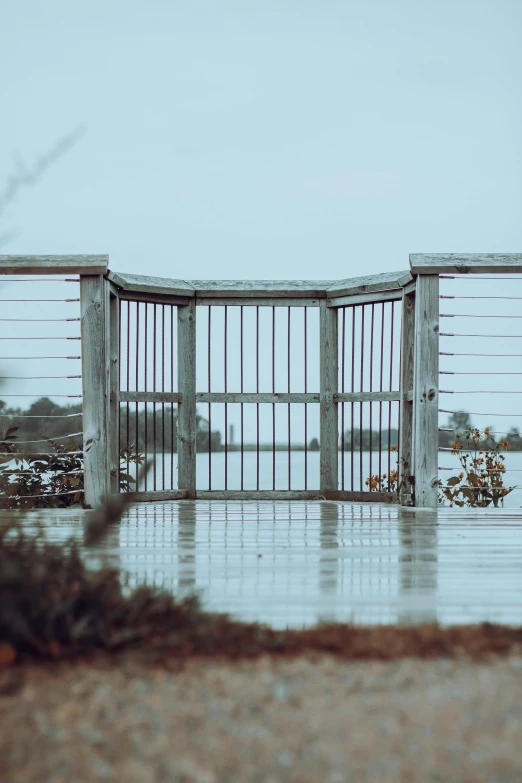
column 386, row 281
column 54, row 265
column 465, row 263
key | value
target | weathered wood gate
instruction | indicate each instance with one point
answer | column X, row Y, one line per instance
column 153, row 324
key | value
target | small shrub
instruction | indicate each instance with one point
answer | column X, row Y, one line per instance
column 480, row 483
column 384, row 483
column 50, row 480
column 54, row 606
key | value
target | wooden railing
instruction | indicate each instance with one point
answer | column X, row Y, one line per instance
column 114, row 349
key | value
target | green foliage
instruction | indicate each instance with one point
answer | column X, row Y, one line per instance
column 50, row 480
column 481, row 481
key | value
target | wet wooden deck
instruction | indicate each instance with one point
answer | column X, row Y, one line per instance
column 294, row 563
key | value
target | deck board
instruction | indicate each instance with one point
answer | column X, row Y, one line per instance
column 291, row 563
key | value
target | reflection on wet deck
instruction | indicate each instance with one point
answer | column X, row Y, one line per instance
column 294, row 563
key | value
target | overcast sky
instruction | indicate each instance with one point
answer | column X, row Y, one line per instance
column 270, row 139
column 267, row 139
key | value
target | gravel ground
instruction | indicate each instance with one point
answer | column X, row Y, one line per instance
column 265, row 721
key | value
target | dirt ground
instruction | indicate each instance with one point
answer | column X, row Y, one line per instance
column 270, row 720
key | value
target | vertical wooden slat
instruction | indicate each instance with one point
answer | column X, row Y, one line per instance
column 187, row 406
column 426, row 391
column 114, row 389
column 328, row 405
column 94, row 302
column 406, row 406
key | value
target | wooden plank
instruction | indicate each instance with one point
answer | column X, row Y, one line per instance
column 268, row 301
column 131, row 396
column 389, row 396
column 187, row 407
column 161, row 494
column 152, row 285
column 426, row 391
column 361, row 285
column 328, row 412
column 54, row 265
column 253, row 494
column 95, row 382
column 114, row 385
column 465, row 263
column 256, row 397
column 363, row 497
column 137, row 296
column 295, row 494
column 394, row 295
column 247, row 289
column 406, row 407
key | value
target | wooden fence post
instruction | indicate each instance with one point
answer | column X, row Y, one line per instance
column 426, row 391
column 94, row 304
column 406, row 405
column 114, row 402
column 187, row 405
column 328, row 405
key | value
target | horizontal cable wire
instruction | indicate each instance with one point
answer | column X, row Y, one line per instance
column 40, row 279
column 480, row 297
column 475, row 489
column 446, row 334
column 39, row 300
column 466, row 372
column 39, row 320
column 40, row 338
column 479, row 391
column 39, row 377
column 49, row 495
column 475, row 413
column 44, row 440
column 5, row 358
column 463, row 451
column 443, row 353
column 41, row 416
column 43, row 472
column 76, row 396
column 21, row 456
column 478, row 277
column 491, row 432
column 466, row 315
column 489, row 470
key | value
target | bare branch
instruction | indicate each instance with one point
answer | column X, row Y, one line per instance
column 25, row 176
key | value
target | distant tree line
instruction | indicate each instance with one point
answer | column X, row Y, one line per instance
column 460, row 422
column 160, row 425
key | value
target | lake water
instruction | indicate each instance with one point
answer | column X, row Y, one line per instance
column 165, row 469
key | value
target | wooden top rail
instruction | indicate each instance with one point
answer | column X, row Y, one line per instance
column 387, row 281
column 53, row 265
column 259, row 289
column 465, row 263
